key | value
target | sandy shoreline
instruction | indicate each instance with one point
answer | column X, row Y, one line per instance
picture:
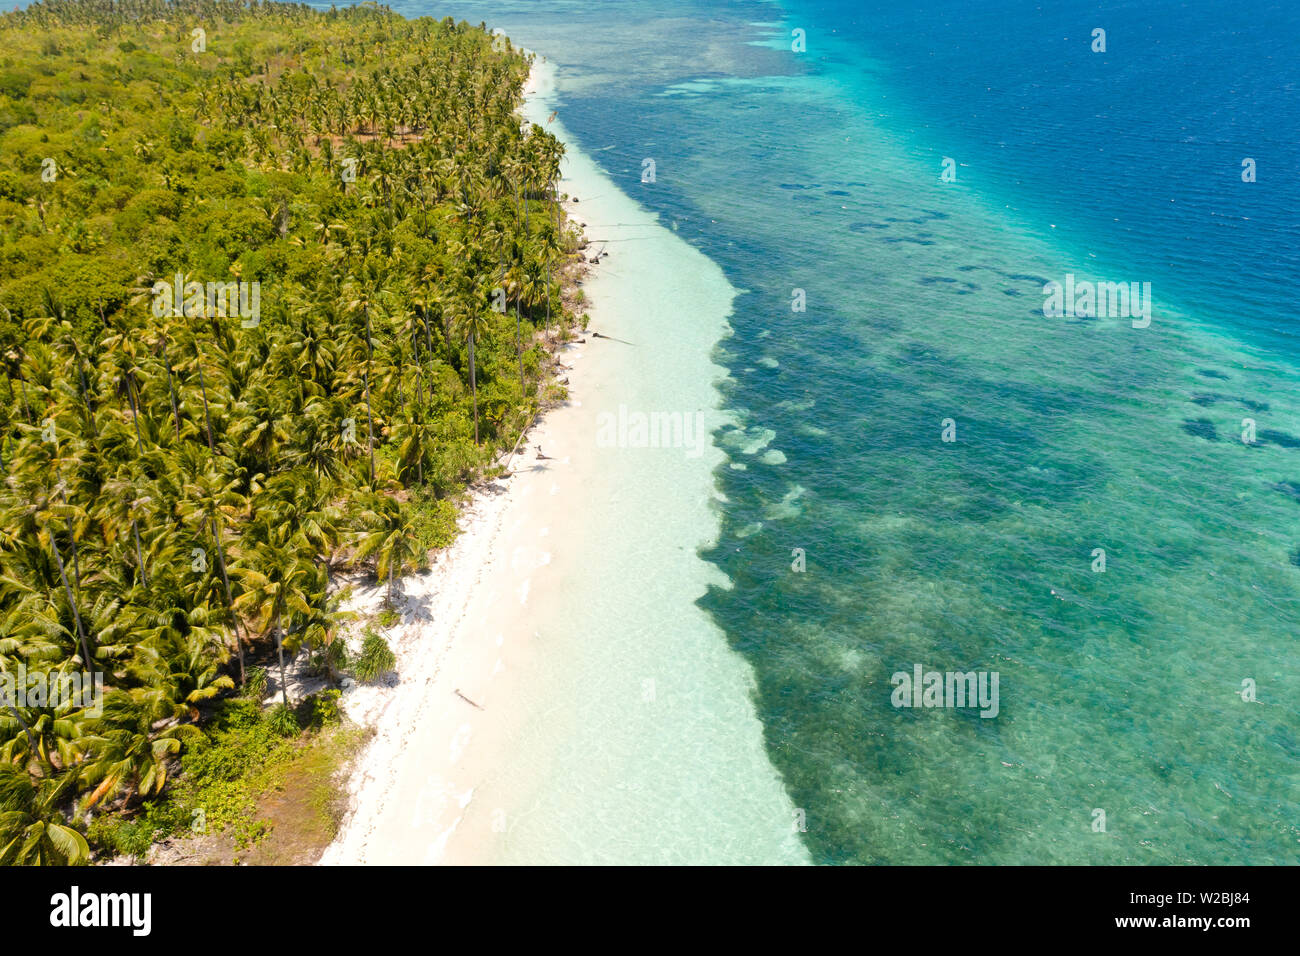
column 563, row 698
column 460, row 624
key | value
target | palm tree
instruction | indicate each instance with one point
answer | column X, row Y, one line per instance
column 72, row 601
column 32, row 827
column 121, row 368
column 471, row 322
column 388, row 539
column 209, row 500
column 275, row 579
column 362, row 302
column 187, row 665
column 135, row 447
column 416, row 442
column 132, row 744
column 11, row 753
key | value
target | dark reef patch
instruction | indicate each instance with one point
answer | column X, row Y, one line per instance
column 914, row 241
column 1207, row 399
column 1289, row 488
column 1272, row 436
column 966, row 288
column 1022, row 277
column 1201, row 428
column 927, row 215
column 919, row 354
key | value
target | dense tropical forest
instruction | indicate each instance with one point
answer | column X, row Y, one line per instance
column 276, row 286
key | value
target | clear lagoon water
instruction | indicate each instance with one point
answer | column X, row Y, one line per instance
column 1120, row 690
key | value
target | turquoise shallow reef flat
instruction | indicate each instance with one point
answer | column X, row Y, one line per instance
column 1114, row 528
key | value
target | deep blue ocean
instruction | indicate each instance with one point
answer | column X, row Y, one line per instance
column 1135, row 154
column 1148, row 704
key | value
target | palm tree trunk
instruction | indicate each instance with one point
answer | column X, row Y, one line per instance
column 473, row 385
column 76, row 563
column 519, row 348
column 85, row 390
column 31, row 741
column 139, row 555
column 207, row 420
column 171, row 388
column 135, row 416
column 279, row 646
column 370, row 424
column 428, row 336
column 26, row 408
column 230, row 604
column 76, row 615
column 419, row 366
column 72, row 540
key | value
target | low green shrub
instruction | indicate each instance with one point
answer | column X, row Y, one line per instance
column 323, row 708
column 375, row 659
column 283, row 720
column 255, row 682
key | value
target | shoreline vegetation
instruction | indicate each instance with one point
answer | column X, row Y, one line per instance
column 195, row 486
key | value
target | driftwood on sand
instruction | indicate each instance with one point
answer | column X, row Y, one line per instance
column 467, row 700
column 598, row 335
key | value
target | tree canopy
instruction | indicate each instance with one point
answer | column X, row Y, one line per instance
column 256, row 264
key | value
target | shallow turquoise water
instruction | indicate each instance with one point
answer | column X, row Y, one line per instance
column 1120, row 690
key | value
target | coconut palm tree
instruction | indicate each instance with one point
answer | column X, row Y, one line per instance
column 33, row 830
column 386, row 538
column 176, row 488
column 275, row 579
column 132, row 745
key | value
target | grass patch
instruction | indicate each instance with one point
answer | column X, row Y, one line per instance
column 247, row 792
column 302, row 807
column 432, row 521
column 376, row 658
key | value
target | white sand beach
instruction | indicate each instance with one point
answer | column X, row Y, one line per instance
column 558, row 687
